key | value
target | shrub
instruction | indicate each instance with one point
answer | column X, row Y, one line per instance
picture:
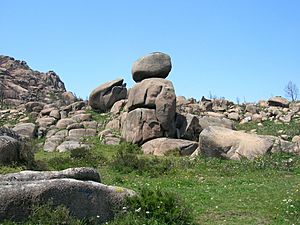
column 77, row 158
column 128, row 160
column 47, row 214
column 155, row 207
column 78, row 153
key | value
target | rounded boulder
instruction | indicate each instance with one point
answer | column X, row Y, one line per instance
column 154, row 65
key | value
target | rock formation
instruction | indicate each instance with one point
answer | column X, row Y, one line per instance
column 151, row 105
column 20, row 84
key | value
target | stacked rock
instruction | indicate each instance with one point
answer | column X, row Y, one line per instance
column 151, row 106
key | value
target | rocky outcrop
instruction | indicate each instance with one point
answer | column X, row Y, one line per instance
column 84, row 199
column 21, row 84
column 156, row 64
column 151, row 110
column 104, row 96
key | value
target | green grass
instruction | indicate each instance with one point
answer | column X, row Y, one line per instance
column 101, row 118
column 215, row 191
column 271, row 128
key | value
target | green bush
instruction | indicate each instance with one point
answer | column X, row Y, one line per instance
column 78, row 153
column 127, row 161
column 155, row 207
column 77, row 158
column 47, row 214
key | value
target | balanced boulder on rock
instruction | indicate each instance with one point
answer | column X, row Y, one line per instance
column 156, row 64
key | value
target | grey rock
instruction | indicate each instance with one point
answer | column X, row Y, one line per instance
column 75, row 126
column 33, row 106
column 156, row 64
column 46, row 121
column 84, row 199
column 64, row 123
column 114, row 124
column 162, row 146
column 207, row 121
column 234, row 116
column 55, row 114
column 82, row 117
column 52, row 143
column 90, row 124
column 104, row 96
column 71, row 145
column 69, row 97
column 78, row 133
column 251, row 108
column 278, row 101
column 108, row 137
column 140, row 126
column 28, row 130
column 80, row 173
column 158, row 94
column 118, row 107
column 13, row 151
column 188, row 127
column 226, row 143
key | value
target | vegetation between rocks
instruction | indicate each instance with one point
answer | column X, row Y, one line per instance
column 272, row 128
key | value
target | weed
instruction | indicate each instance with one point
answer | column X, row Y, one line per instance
column 155, row 207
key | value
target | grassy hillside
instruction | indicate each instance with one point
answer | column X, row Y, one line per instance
column 199, row 191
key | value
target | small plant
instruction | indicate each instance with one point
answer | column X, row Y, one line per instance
column 78, row 153
column 48, row 214
column 291, row 205
column 155, row 207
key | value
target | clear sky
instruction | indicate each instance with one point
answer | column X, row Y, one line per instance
column 232, row 48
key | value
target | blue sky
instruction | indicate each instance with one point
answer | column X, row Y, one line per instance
column 248, row 49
